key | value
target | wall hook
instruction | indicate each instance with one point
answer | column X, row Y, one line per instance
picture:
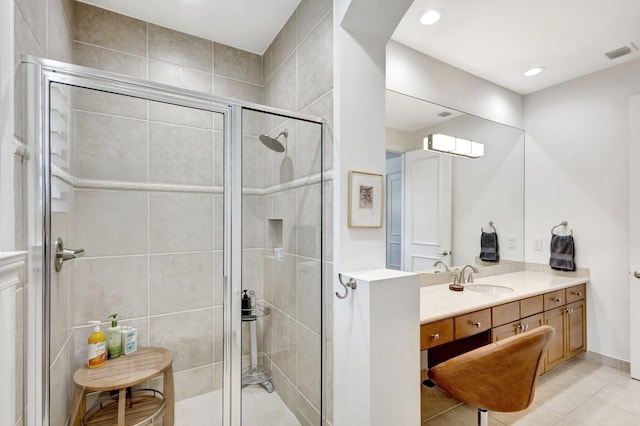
column 351, row 284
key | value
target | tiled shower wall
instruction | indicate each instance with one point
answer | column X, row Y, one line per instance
column 298, row 76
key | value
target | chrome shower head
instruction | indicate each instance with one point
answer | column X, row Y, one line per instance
column 273, row 143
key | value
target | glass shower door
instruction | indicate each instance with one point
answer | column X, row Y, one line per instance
column 138, row 184
column 281, row 270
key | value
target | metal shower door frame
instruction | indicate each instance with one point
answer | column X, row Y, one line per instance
column 38, row 75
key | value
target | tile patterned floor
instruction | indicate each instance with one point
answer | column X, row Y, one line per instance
column 260, row 408
column 577, row 393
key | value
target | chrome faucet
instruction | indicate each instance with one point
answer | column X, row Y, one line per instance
column 470, row 279
column 440, row 262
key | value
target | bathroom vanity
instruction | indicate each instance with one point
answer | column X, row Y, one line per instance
column 500, row 306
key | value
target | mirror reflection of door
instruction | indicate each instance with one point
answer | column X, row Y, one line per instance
column 394, row 210
column 427, row 215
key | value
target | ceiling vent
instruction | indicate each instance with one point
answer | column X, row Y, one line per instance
column 624, row 50
column 444, row 114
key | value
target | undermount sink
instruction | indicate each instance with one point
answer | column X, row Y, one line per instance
column 488, row 288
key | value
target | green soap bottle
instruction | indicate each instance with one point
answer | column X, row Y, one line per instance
column 114, row 338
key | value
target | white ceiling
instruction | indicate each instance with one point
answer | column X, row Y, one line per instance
column 499, row 39
column 493, row 39
column 244, row 24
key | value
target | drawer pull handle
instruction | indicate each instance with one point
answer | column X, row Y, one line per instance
column 477, row 324
column 558, row 300
column 435, row 336
column 579, row 293
column 569, row 311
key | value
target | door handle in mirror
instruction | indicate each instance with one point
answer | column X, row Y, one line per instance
column 636, row 274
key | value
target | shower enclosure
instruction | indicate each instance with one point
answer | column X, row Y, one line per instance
column 177, row 201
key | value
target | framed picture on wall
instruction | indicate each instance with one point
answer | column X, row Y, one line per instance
column 366, row 199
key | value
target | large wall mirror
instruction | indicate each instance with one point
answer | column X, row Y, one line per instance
column 439, row 203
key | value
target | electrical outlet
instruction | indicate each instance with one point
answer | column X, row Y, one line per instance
column 537, row 244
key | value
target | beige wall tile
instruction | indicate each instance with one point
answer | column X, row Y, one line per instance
column 284, row 44
column 285, row 286
column 111, row 223
column 218, row 222
column 306, row 413
column 109, row 103
column 218, row 158
column 175, row 114
column 315, row 63
column 179, row 154
column 59, row 314
column 253, row 222
column 253, row 271
column 237, row 64
column 108, row 285
column 309, row 292
column 218, row 278
column 283, row 87
column 179, row 76
column 252, row 162
column 180, row 48
column 286, row 390
column 35, row 17
column 267, row 65
column 267, row 282
column 283, row 203
column 103, row 28
column 188, row 335
column 194, row 382
column 309, row 14
column 237, row 89
column 323, row 108
column 309, row 217
column 309, row 364
column 284, row 349
column 180, row 282
column 309, row 147
column 60, row 35
column 180, row 222
column 110, row 60
column 110, row 147
column 218, row 333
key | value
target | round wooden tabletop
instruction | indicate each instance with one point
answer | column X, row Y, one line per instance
column 124, row 371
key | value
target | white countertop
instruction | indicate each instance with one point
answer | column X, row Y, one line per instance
column 438, row 302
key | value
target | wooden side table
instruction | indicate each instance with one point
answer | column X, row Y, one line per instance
column 119, row 374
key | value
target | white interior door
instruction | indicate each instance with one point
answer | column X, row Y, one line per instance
column 634, row 232
column 428, row 198
column 394, row 213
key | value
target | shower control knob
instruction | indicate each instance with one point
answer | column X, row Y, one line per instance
column 636, row 274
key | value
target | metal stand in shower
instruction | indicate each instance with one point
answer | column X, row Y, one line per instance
column 256, row 374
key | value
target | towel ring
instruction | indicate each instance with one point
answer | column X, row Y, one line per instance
column 563, row 223
column 491, row 225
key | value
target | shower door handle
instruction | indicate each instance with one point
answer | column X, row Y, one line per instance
column 63, row 254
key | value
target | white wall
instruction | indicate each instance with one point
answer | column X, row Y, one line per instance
column 6, row 125
column 577, row 170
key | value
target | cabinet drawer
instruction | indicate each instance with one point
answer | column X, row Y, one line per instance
column 534, row 321
column 554, row 299
column 436, row 333
column 576, row 293
column 473, row 323
column 531, row 305
column 503, row 314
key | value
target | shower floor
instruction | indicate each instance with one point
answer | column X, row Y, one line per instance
column 259, row 408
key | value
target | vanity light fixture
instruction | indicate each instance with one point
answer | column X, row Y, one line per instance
column 451, row 145
column 533, row 71
column 431, row 16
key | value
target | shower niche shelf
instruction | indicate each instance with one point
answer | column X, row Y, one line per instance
column 274, row 239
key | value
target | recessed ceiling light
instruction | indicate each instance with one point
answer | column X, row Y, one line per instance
column 533, row 71
column 431, row 16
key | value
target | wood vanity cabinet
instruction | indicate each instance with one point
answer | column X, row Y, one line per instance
column 564, row 310
column 569, row 321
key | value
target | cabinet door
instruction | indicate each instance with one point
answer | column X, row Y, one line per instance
column 504, row 331
column 576, row 335
column 556, row 354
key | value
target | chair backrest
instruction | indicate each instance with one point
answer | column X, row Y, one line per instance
column 500, row 376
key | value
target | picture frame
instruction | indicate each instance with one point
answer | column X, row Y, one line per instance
column 366, row 200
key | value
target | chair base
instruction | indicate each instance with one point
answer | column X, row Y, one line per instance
column 483, row 417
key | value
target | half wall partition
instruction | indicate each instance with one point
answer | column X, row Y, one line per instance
column 181, row 201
